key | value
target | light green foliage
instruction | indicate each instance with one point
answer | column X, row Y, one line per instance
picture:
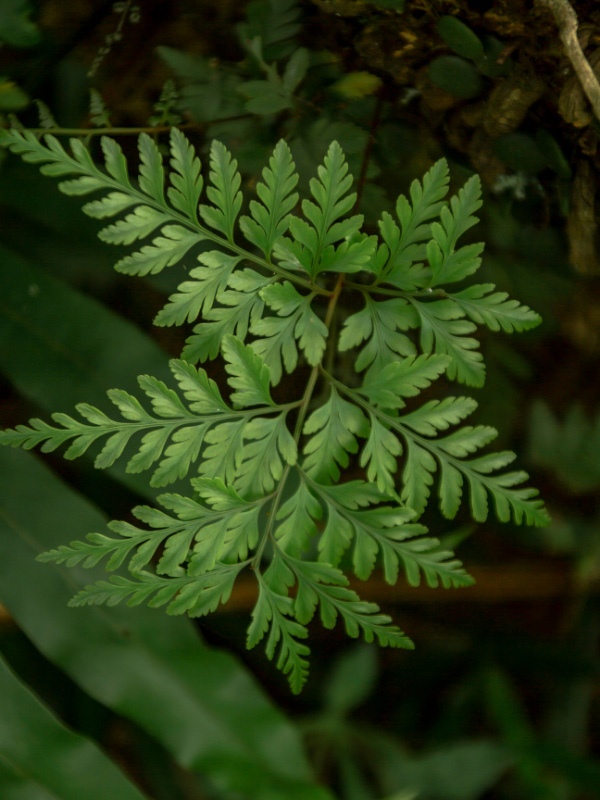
column 266, row 487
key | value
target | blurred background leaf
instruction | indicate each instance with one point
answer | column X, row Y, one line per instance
column 38, row 753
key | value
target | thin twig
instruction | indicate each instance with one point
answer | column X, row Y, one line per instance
column 566, row 20
column 362, row 178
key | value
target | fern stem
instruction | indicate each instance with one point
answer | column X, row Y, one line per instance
column 272, row 514
column 304, row 404
column 310, row 386
column 365, row 287
column 132, row 131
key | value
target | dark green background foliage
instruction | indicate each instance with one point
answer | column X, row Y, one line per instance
column 499, row 699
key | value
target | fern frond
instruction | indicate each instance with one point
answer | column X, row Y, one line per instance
column 175, row 218
column 401, row 379
column 296, row 519
column 238, row 312
column 197, row 296
column 217, row 526
column 448, row 264
column 186, row 179
column 45, row 115
column 262, row 309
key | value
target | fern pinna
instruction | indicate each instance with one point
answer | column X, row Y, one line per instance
column 267, row 490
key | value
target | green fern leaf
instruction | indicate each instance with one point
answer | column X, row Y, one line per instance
column 296, row 519
column 380, row 323
column 448, row 264
column 109, row 206
column 333, row 202
column 403, row 378
column 352, row 255
column 296, row 320
column 114, row 161
column 269, row 445
column 403, row 245
column 175, row 435
column 443, row 331
column 423, row 454
column 495, row 310
column 194, row 596
column 204, row 595
column 326, row 586
column 222, row 526
column 230, row 538
column 334, row 427
column 270, row 217
column 135, row 591
column 152, row 176
column 224, row 452
column 142, row 222
column 426, row 202
column 197, row 296
column 438, row 415
column 379, row 456
column 240, row 310
column 249, row 376
column 165, row 251
column 45, row 115
column 273, row 613
column 391, row 531
column 224, row 192
column 395, row 266
column 201, row 392
column 417, row 476
column 99, row 116
column 186, row 180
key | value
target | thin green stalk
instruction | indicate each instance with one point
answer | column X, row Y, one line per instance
column 303, row 410
column 133, row 131
column 365, row 287
column 315, row 371
column 272, row 514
